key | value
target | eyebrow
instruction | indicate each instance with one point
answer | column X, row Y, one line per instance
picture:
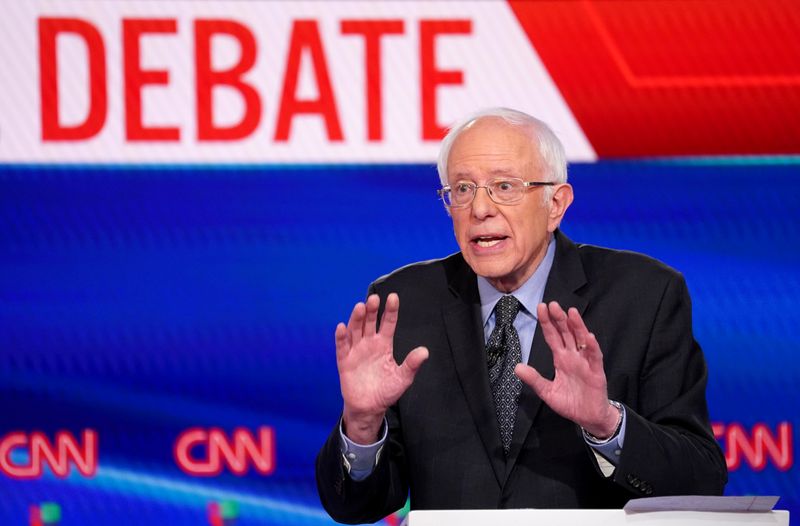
column 494, row 172
column 502, row 171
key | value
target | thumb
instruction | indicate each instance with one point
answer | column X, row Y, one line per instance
column 412, row 363
column 532, row 378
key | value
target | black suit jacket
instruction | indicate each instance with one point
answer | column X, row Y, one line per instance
column 444, row 442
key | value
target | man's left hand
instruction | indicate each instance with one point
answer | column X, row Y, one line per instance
column 578, row 392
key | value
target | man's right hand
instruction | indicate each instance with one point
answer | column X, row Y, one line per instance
column 370, row 379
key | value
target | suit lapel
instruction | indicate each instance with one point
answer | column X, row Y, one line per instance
column 566, row 277
column 462, row 319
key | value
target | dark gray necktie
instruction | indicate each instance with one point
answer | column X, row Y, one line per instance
column 504, row 352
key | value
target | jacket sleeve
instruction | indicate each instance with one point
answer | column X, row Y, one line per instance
column 669, row 446
column 383, row 492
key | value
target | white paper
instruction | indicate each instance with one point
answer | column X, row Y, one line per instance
column 756, row 503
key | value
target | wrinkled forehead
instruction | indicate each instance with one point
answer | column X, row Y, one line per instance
column 490, row 147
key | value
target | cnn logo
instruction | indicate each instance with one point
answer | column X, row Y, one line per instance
column 206, row 452
column 59, row 455
column 757, row 446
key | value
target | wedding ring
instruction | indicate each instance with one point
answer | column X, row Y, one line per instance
column 581, row 346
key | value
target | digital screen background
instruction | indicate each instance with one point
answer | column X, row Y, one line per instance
column 140, row 301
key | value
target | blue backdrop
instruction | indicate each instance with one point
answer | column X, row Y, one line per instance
column 141, row 301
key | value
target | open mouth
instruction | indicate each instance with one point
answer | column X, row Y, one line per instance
column 488, row 241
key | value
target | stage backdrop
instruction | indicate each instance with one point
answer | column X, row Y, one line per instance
column 193, row 194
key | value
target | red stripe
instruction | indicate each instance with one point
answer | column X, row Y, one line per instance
column 655, row 78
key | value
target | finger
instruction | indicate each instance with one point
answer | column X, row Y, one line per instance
column 373, row 302
column 389, row 318
column 559, row 317
column 355, row 326
column 410, row 366
column 577, row 327
column 594, row 355
column 586, row 341
column 549, row 330
column 532, row 378
column 342, row 341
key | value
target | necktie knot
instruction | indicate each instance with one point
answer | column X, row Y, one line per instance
column 506, row 310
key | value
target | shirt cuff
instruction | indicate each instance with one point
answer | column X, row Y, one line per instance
column 360, row 460
column 610, row 449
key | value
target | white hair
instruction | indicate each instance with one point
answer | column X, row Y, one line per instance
column 542, row 137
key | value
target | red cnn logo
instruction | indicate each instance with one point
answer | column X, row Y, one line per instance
column 238, row 453
column 60, row 455
column 755, row 447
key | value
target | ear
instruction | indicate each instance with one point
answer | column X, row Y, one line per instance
column 559, row 202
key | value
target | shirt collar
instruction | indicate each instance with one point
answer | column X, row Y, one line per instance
column 529, row 294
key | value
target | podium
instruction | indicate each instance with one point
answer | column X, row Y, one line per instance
column 594, row 518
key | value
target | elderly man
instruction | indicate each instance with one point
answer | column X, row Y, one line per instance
column 611, row 404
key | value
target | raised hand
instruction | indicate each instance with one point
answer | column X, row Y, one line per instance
column 370, row 379
column 579, row 391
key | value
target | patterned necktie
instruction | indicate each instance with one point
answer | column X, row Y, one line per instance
column 504, row 352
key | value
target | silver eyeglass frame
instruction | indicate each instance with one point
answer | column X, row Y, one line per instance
column 442, row 192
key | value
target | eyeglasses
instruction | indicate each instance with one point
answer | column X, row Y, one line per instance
column 502, row 191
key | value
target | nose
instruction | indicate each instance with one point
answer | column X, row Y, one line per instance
column 482, row 204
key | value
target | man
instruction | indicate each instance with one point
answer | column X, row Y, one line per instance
column 611, row 404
